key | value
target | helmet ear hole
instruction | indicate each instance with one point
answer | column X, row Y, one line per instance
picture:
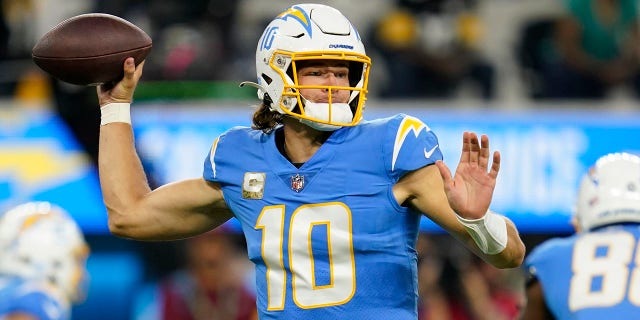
column 266, row 78
column 267, row 99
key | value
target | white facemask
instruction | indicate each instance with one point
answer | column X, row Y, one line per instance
column 340, row 112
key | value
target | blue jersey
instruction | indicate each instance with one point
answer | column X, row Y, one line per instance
column 328, row 239
column 20, row 296
column 592, row 275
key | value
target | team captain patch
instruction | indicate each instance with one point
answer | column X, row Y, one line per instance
column 253, row 185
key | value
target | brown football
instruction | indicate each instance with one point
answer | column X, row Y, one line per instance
column 90, row 49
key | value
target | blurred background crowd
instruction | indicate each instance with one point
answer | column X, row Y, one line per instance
column 494, row 50
column 489, row 54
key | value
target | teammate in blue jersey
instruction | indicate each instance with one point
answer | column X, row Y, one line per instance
column 329, row 202
column 42, row 263
column 594, row 273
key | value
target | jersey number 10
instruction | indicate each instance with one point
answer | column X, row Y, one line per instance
column 336, row 218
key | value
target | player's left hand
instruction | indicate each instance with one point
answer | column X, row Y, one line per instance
column 470, row 191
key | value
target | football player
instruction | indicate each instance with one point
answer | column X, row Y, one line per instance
column 330, row 203
column 593, row 274
column 42, row 263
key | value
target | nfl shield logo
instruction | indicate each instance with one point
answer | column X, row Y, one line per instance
column 297, row 182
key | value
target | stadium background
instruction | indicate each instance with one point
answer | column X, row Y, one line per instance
column 546, row 145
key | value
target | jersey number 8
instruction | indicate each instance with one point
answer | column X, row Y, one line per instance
column 612, row 271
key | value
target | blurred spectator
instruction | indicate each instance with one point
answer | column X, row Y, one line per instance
column 13, row 15
column 76, row 107
column 4, row 35
column 74, row 104
column 192, row 40
column 212, row 284
column 430, row 50
column 455, row 285
column 534, row 51
column 597, row 44
column 42, row 263
column 22, row 23
column 5, row 89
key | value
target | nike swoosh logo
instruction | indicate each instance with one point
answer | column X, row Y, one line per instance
column 427, row 154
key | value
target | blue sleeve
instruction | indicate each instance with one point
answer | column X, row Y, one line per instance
column 213, row 161
column 209, row 168
column 410, row 145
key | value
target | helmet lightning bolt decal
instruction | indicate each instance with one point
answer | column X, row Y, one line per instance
column 407, row 125
column 299, row 15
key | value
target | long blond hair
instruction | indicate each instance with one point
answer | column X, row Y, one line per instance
column 266, row 119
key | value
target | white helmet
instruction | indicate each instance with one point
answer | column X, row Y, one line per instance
column 610, row 192
column 41, row 242
column 311, row 32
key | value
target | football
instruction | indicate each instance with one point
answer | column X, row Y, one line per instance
column 90, row 49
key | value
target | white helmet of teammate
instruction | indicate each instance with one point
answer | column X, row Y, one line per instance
column 40, row 241
column 311, row 32
column 610, row 192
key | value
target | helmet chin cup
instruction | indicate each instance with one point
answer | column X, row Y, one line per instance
column 325, row 116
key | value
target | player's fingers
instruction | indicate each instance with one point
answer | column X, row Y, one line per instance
column 138, row 73
column 444, row 172
column 474, row 147
column 132, row 73
column 495, row 166
column 129, row 67
column 129, row 70
column 464, row 156
column 483, row 159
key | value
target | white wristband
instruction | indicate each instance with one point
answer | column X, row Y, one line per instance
column 489, row 232
column 115, row 112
